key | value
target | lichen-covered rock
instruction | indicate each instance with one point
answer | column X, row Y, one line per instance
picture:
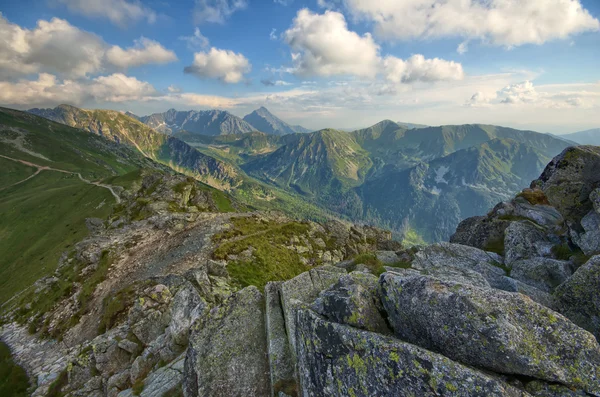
column 354, row 301
column 227, row 355
column 187, row 306
column 280, row 357
column 387, row 257
column 542, row 273
column 110, row 358
column 569, row 180
column 589, row 239
column 579, row 297
column 338, row 360
column 491, row 329
column 488, row 264
column 595, row 199
column 542, row 389
column 164, row 379
column 541, row 297
column 304, row 289
column 525, row 240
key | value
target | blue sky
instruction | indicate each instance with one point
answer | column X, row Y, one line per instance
column 356, row 61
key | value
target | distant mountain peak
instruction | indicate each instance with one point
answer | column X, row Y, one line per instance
column 263, row 120
column 207, row 122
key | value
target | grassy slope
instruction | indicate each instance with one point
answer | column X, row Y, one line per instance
column 42, row 218
column 45, row 215
column 13, row 172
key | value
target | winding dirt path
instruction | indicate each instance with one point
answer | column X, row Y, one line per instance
column 41, row 168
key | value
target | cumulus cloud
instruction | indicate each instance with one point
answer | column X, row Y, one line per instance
column 417, row 68
column 224, row 65
column 47, row 90
column 499, row 22
column 276, row 83
column 216, row 11
column 59, row 48
column 173, row 89
column 273, row 34
column 322, row 45
column 526, row 94
column 144, row 51
column 196, row 41
column 119, row 12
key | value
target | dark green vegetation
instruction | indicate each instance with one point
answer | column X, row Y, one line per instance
column 374, row 265
column 269, row 258
column 44, row 216
column 13, row 379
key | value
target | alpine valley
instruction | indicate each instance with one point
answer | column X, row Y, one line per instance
column 418, row 182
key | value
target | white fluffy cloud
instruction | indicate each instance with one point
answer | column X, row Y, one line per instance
column 500, row 22
column 216, row 11
column 119, row 12
column 224, row 65
column 417, row 68
column 526, row 95
column 47, row 90
column 57, row 47
column 144, row 52
column 322, row 45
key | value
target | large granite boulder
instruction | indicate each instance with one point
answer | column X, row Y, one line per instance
column 569, row 180
column 490, row 329
column 579, row 297
column 542, row 273
column 354, row 301
column 525, row 240
column 303, row 290
column 338, row 360
column 488, row 264
column 588, row 239
column 227, row 354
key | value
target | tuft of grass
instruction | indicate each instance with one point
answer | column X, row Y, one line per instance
column 13, row 379
column 138, row 387
column 562, row 252
column 534, row 196
column 222, row 201
column 115, row 308
column 370, row 261
column 271, row 260
column 496, row 246
column 55, row 389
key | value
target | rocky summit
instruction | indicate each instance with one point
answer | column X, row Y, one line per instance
column 174, row 296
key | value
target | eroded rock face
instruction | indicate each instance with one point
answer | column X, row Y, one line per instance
column 303, row 290
column 579, row 297
column 569, row 180
column 490, row 329
column 588, row 239
column 280, row 357
column 337, row 360
column 227, row 355
column 525, row 240
column 542, row 273
column 488, row 264
column 353, row 300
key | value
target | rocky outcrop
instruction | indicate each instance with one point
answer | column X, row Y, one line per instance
column 227, row 355
column 578, row 297
column 494, row 330
column 569, row 180
column 337, row 360
column 542, row 273
column 353, row 300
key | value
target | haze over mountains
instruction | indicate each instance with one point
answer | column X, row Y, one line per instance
column 416, row 181
column 588, row 137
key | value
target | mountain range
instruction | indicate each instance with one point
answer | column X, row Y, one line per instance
column 217, row 122
column 418, row 182
column 588, row 137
